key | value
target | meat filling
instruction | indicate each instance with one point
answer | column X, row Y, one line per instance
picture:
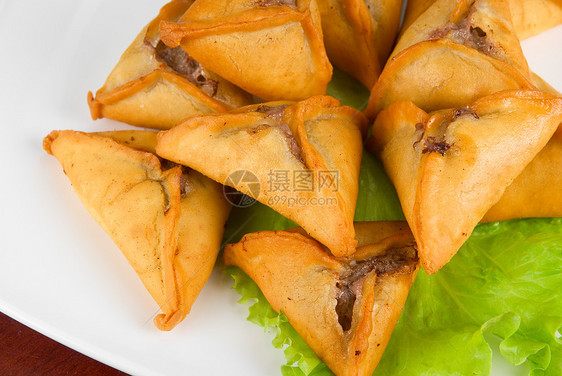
column 465, row 33
column 420, row 131
column 294, row 147
column 464, row 111
column 432, row 145
column 268, row 3
column 397, row 260
column 184, row 182
column 276, row 113
column 271, row 110
column 179, row 61
column 437, row 144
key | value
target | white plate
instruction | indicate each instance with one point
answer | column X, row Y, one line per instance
column 59, row 272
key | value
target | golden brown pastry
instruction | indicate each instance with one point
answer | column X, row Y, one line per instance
column 451, row 55
column 157, row 87
column 451, row 167
column 167, row 220
column 414, row 8
column 270, row 48
column 529, row 17
column 359, row 35
column 537, row 191
column 532, row 17
column 344, row 308
column 303, row 159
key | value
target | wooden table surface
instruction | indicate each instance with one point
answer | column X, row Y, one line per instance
column 25, row 352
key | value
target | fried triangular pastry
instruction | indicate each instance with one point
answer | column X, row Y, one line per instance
column 270, row 48
column 451, row 55
column 344, row 308
column 536, row 192
column 301, row 159
column 532, row 17
column 359, row 35
column 529, row 17
column 167, row 220
column 157, row 87
column 451, row 167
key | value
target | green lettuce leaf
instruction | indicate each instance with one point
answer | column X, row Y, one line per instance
column 504, row 285
column 505, row 281
column 348, row 91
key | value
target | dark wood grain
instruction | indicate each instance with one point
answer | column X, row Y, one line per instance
column 25, row 352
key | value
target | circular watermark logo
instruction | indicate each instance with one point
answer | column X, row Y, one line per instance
column 241, row 178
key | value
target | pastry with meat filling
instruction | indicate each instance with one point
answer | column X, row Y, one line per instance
column 156, row 86
column 167, row 220
column 451, row 55
column 344, row 308
column 359, row 35
column 302, row 159
column 450, row 167
column 529, row 17
column 270, row 48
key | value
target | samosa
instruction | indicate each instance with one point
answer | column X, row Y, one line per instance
column 537, row 191
column 156, row 86
column 344, row 308
column 167, row 220
column 529, row 17
column 452, row 54
column 532, row 17
column 303, row 157
column 450, row 167
column 359, row 35
column 270, row 48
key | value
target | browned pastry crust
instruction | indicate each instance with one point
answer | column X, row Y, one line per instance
column 344, row 308
column 271, row 49
column 359, row 35
column 451, row 55
column 315, row 139
column 168, row 221
column 536, row 192
column 532, row 17
column 529, row 17
column 449, row 168
column 157, row 87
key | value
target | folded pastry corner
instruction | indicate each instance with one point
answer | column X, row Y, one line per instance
column 344, row 308
column 302, row 159
column 532, row 17
column 167, row 220
column 157, row 87
column 457, row 52
column 449, row 168
column 536, row 192
column 359, row 35
column 270, row 48
column 529, row 17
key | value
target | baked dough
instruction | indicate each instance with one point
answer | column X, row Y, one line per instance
column 270, row 48
column 359, row 35
column 529, row 17
column 449, row 168
column 167, row 220
column 537, row 191
column 451, row 55
column 304, row 158
column 344, row 308
column 156, row 86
